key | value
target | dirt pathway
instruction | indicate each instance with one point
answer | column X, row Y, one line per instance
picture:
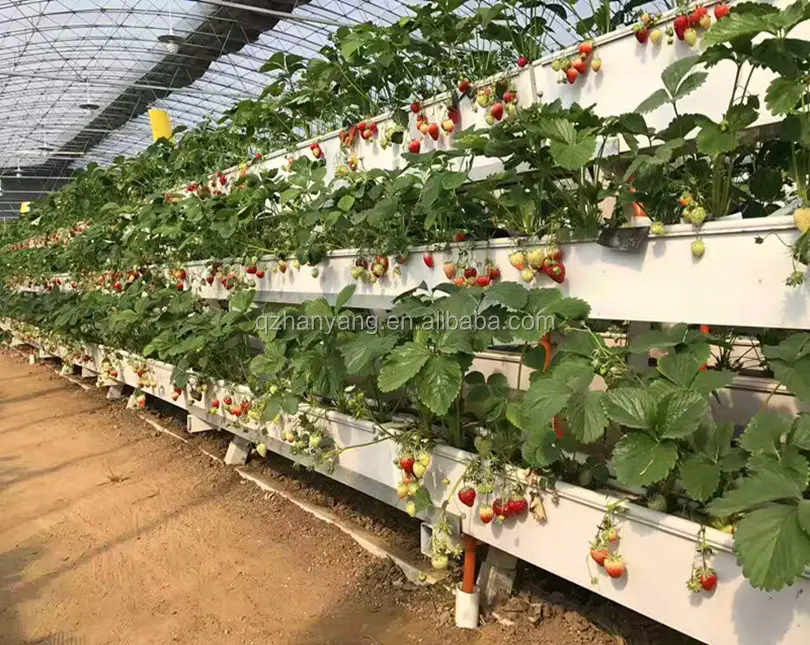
column 111, row 533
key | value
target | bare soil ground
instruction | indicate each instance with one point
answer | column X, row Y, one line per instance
column 111, row 532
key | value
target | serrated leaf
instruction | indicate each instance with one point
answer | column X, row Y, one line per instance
column 362, row 350
column 571, row 308
column 586, row 418
column 700, row 477
column 679, row 368
column 439, row 383
column 690, row 84
column 509, row 294
column 344, row 296
column 764, row 432
column 653, row 102
column 675, row 73
column 648, row 340
column 772, row 546
column 800, row 436
column 541, row 449
column 795, row 376
column 710, row 381
column 790, row 464
column 452, row 180
column 454, row 342
column 804, row 515
column 271, row 361
column 630, row 407
column 764, row 487
column 402, row 365
column 640, row 460
column 345, row 203
column 684, row 410
column 544, row 398
column 573, row 156
column 711, row 140
column 737, row 25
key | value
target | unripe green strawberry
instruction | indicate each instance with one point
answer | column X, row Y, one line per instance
column 801, row 217
column 410, row 509
column 697, row 215
column 698, row 249
column 527, row 275
column 690, row 37
column 439, row 561
column 657, row 228
column 657, row 503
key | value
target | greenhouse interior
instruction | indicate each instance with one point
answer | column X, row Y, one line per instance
column 441, row 321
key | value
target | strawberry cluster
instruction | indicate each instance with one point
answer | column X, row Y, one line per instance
column 548, row 261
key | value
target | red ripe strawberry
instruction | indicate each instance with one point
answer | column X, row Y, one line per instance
column 642, row 34
column 181, row 274
column 459, row 237
column 114, row 373
column 228, row 400
column 215, row 403
column 494, row 273
column 414, row 146
column 497, row 111
column 557, row 272
column 523, row 61
column 427, row 258
column 406, row 463
column 571, row 74
column 433, row 131
column 486, row 514
column 118, row 286
column 361, row 126
column 237, row 412
column 251, row 269
column 586, row 48
column 680, row 25
column 501, row 509
column 614, row 566
column 599, row 553
column 555, row 253
column 517, row 506
column 470, row 272
column 708, row 579
column 483, row 281
column 508, row 97
column 467, row 496
column 258, row 155
column 223, row 180
column 179, row 286
column 259, row 274
column 721, row 11
column 580, row 65
column 373, row 127
column 209, row 279
column 450, row 270
column 463, row 86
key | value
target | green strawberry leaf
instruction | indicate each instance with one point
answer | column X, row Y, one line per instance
column 764, row 432
column 402, row 365
column 679, row 368
column 640, row 460
column 712, row 380
column 439, row 383
column 772, row 546
column 763, row 487
column 586, row 417
column 683, row 412
column 700, row 477
column 630, row 407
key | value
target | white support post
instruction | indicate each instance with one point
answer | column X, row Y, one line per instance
column 496, row 577
column 115, row 391
column 195, row 424
column 238, row 451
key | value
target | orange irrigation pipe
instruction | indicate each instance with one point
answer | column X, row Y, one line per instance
column 468, row 583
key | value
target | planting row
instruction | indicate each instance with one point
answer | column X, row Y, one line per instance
column 520, row 512
column 655, row 428
column 562, row 179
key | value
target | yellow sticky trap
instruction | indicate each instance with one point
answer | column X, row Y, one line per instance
column 161, row 124
column 25, row 208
